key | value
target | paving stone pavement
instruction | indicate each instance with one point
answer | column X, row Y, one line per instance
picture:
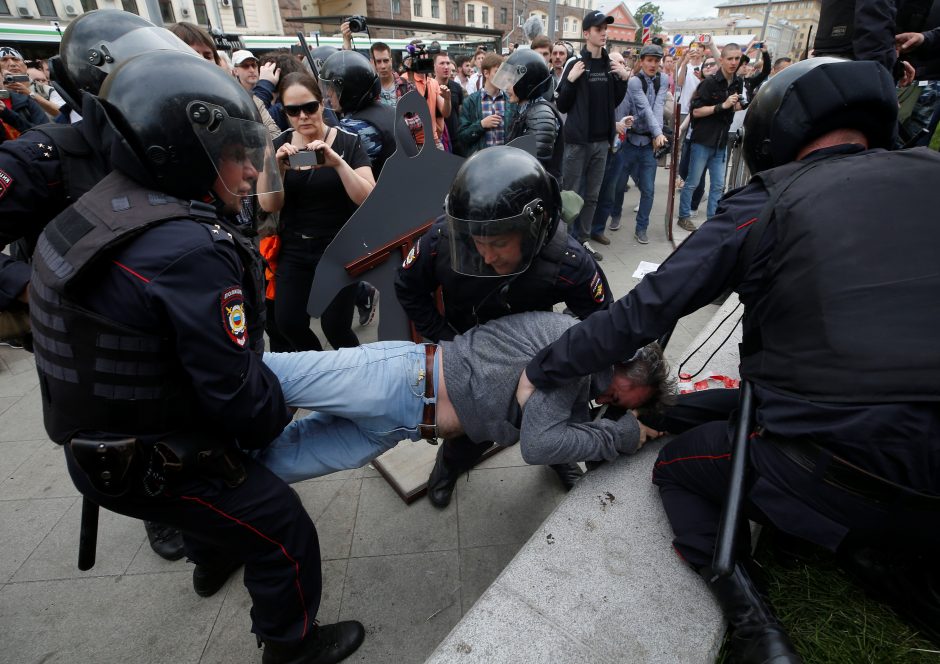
column 407, row 572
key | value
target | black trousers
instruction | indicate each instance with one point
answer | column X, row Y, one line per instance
column 297, row 265
column 692, row 474
column 261, row 523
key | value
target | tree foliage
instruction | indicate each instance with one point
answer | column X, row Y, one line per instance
column 649, row 8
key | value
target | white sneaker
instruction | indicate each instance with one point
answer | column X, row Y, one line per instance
column 637, row 208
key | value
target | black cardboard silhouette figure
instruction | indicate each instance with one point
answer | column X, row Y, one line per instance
column 408, row 197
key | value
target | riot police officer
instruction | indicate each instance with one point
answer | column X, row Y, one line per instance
column 839, row 281
column 525, row 76
column 500, row 249
column 147, row 313
column 51, row 166
column 348, row 80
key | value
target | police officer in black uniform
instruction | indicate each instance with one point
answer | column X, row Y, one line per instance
column 350, row 79
column 147, row 314
column 525, row 75
column 50, row 167
column 493, row 188
column 839, row 280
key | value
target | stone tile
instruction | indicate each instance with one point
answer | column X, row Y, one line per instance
column 23, row 525
column 106, row 620
column 505, row 505
column 14, row 454
column 17, row 384
column 408, row 603
column 23, row 420
column 479, row 567
column 119, row 539
column 6, row 402
column 42, row 475
column 507, row 458
column 24, row 363
column 333, row 507
column 386, row 525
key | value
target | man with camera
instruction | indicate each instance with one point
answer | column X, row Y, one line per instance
column 713, row 106
column 19, row 109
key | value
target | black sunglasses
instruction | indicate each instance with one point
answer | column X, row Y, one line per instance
column 310, row 108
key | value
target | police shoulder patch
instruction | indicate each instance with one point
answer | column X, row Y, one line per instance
column 5, row 181
column 233, row 315
column 412, row 255
column 597, row 288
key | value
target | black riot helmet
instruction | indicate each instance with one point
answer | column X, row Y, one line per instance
column 526, row 72
column 352, row 78
column 502, row 196
column 813, row 97
column 96, row 42
column 183, row 140
column 319, row 56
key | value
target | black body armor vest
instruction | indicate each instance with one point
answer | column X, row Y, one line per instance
column 850, row 309
column 96, row 374
column 470, row 301
column 383, row 119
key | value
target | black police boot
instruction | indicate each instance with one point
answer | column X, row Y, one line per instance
column 326, row 644
column 568, row 473
column 442, row 481
column 756, row 636
column 208, row 578
column 908, row 582
column 166, row 541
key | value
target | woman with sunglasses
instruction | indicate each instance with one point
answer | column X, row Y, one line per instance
column 315, row 203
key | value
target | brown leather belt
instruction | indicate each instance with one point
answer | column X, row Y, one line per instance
column 428, row 426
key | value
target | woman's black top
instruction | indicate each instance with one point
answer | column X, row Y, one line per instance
column 315, row 202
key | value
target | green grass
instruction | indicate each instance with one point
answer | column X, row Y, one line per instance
column 832, row 621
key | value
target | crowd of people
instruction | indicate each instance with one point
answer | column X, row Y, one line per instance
column 148, row 301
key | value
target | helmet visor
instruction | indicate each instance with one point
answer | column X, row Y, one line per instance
column 332, row 90
column 496, row 247
column 240, row 150
column 507, row 75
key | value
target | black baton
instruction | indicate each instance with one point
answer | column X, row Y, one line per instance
column 88, row 535
column 723, row 562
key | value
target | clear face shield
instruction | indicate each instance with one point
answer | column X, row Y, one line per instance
column 496, row 247
column 507, row 76
column 332, row 90
column 241, row 150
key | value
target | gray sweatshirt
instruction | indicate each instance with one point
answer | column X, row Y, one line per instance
column 481, row 371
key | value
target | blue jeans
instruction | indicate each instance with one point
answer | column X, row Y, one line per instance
column 704, row 158
column 366, row 399
column 614, row 174
column 640, row 162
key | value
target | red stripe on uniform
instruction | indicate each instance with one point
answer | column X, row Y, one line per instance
column 264, row 537
column 746, row 224
column 567, row 281
column 136, row 274
column 694, row 458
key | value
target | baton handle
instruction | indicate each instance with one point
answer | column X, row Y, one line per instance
column 723, row 561
column 88, row 535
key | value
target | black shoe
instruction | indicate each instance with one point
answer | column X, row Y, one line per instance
column 367, row 304
column 908, row 583
column 568, row 473
column 326, row 644
column 166, row 541
column 208, row 579
column 756, row 636
column 442, row 481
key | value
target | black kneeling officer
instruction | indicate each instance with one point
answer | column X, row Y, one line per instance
column 147, row 313
column 500, row 249
column 832, row 248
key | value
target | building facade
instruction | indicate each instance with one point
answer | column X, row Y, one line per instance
column 803, row 14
